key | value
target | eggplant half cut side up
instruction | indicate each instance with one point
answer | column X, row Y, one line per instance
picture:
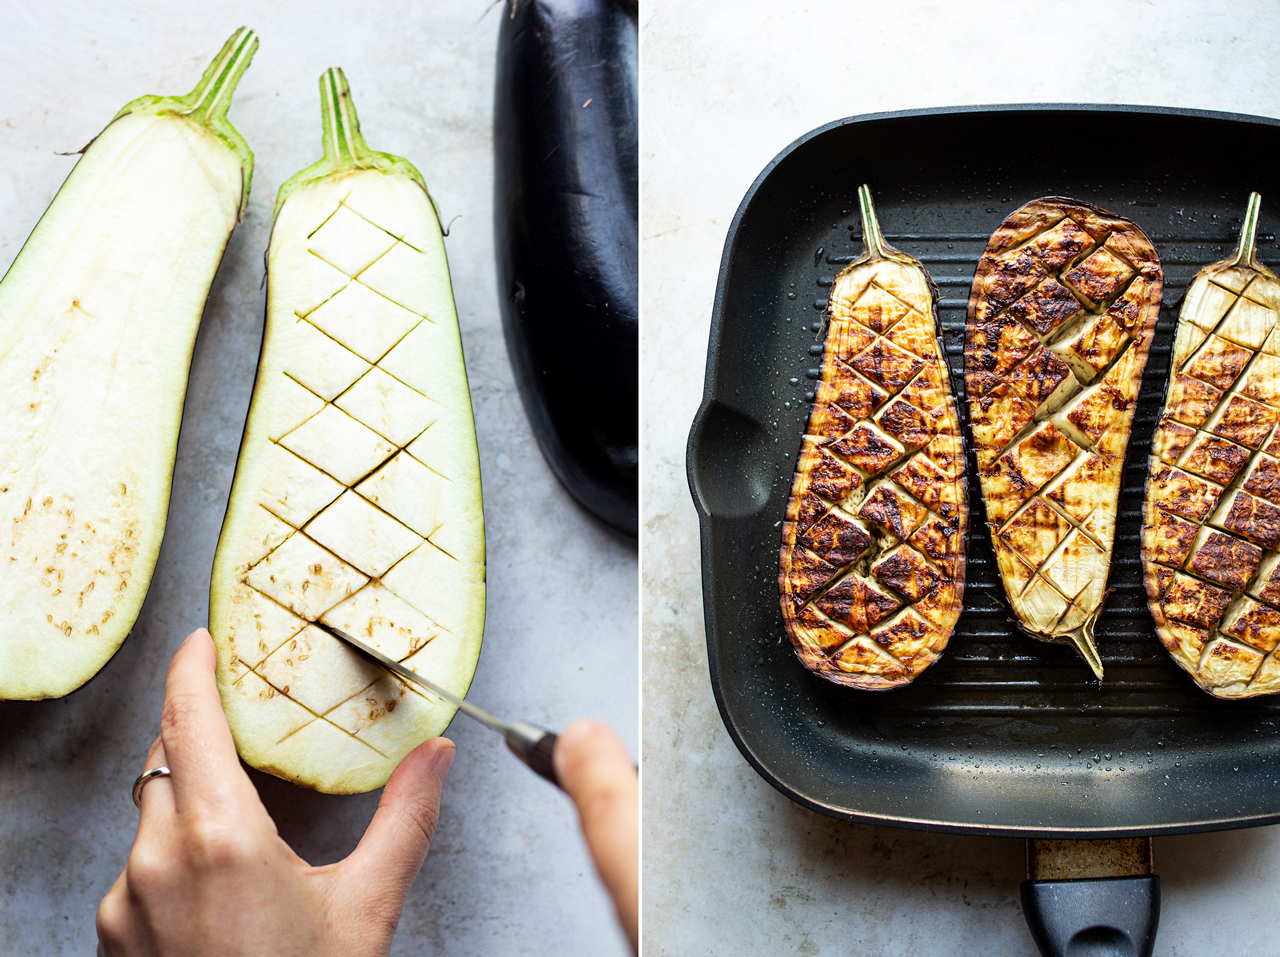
column 872, row 568
column 356, row 499
column 566, row 230
column 1061, row 317
column 1211, row 518
column 100, row 312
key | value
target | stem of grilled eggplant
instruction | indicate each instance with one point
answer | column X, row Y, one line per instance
column 1085, row 644
column 875, row 245
column 1247, row 249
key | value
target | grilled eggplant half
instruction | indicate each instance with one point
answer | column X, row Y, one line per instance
column 1061, row 315
column 1211, row 521
column 873, row 546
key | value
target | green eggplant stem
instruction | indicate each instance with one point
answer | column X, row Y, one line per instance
column 876, row 247
column 1247, row 250
column 871, row 234
column 1088, row 650
column 212, row 95
column 344, row 147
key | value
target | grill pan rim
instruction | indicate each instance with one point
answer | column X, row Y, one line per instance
column 707, row 520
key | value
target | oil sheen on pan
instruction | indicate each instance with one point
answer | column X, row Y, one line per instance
column 1061, row 317
column 873, row 546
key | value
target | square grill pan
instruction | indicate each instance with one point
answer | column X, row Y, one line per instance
column 1004, row 735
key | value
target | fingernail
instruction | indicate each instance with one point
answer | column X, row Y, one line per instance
column 198, row 631
column 442, row 757
column 580, row 731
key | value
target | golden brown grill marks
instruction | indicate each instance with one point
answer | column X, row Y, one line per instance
column 892, row 511
column 1264, row 479
column 890, row 366
column 1211, row 521
column 1218, row 363
column 838, row 539
column 1195, row 602
column 1169, row 539
column 1254, row 519
column 1039, row 377
column 1061, row 317
column 1256, row 625
column 1099, row 341
column 871, row 572
column 1216, row 459
column 1183, row 494
column 867, row 449
column 1246, row 422
column 857, row 603
column 1046, row 307
column 1191, row 401
column 1226, row 560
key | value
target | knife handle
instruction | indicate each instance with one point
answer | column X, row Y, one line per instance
column 535, row 747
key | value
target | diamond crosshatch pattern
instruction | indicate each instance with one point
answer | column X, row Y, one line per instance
column 347, row 499
column 1212, row 511
column 1064, row 306
column 871, row 568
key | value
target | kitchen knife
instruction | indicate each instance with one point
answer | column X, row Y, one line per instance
column 528, row 742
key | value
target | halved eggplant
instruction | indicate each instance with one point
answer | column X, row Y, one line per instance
column 100, row 311
column 872, row 568
column 356, row 499
column 566, row 159
column 1211, row 520
column 1061, row 316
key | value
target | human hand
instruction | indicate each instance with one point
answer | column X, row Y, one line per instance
column 209, row 874
column 596, row 772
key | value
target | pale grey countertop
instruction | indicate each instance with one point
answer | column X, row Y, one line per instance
column 732, row 866
column 506, row 874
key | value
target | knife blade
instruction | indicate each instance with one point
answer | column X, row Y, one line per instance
column 528, row 742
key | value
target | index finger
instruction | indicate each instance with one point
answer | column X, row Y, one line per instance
column 197, row 741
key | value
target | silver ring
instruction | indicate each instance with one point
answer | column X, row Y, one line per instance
column 142, row 779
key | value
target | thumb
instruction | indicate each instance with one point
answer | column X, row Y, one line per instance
column 393, row 847
column 596, row 772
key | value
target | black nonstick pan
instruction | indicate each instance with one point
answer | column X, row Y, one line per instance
column 1004, row 735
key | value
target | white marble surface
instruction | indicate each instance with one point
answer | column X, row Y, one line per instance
column 731, row 866
column 507, row 874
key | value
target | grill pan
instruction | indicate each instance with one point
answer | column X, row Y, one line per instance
column 1004, row 735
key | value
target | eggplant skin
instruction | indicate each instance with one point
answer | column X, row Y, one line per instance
column 566, row 229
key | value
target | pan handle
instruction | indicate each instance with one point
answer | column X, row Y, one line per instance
column 1107, row 917
column 1095, row 898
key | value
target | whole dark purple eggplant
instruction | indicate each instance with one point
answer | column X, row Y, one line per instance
column 566, row 225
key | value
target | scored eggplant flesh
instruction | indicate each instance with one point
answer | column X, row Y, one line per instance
column 356, row 502
column 1061, row 316
column 872, row 568
column 1211, row 518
